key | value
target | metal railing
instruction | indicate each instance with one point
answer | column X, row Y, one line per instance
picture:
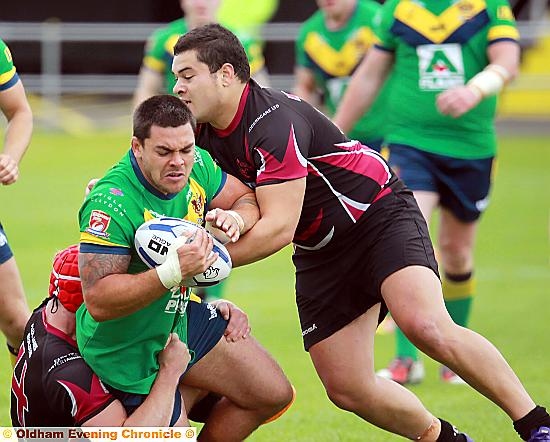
column 51, row 83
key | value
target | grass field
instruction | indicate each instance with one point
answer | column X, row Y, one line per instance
column 40, row 216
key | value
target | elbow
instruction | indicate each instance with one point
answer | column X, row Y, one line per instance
column 96, row 311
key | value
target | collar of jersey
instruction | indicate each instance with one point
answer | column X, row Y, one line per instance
column 237, row 118
column 145, row 183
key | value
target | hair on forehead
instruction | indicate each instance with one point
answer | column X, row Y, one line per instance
column 162, row 111
column 214, row 46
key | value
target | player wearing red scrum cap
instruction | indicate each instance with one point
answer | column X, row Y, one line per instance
column 53, row 386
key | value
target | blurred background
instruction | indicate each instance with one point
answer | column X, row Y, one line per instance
column 74, row 56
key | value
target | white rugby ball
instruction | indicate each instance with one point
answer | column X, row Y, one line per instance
column 153, row 238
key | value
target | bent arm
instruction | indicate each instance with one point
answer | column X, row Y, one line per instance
column 109, row 292
column 363, row 88
column 240, row 198
column 157, row 408
column 16, row 108
column 280, row 209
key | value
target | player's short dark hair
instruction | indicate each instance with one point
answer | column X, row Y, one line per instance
column 162, row 111
column 214, row 46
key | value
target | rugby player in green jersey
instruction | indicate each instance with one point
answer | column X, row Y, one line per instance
column 449, row 60
column 155, row 75
column 330, row 46
column 131, row 310
column 14, row 312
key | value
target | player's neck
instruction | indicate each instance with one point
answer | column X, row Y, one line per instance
column 62, row 319
column 229, row 106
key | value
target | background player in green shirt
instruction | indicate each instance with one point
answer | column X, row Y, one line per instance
column 450, row 60
column 330, row 46
column 155, row 75
column 14, row 311
column 131, row 310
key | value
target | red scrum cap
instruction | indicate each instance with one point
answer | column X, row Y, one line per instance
column 65, row 279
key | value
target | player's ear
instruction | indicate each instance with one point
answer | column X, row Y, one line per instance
column 227, row 74
column 136, row 146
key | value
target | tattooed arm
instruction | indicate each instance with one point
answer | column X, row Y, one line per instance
column 110, row 292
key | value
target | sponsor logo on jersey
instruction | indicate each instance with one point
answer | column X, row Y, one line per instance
column 116, row 192
column 440, row 66
column 267, row 112
column 177, row 302
column 309, row 330
column 198, row 204
column 98, row 224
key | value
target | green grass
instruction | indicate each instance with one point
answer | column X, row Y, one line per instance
column 511, row 309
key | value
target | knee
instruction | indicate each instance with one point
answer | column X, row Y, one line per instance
column 349, row 397
column 456, row 257
column 432, row 336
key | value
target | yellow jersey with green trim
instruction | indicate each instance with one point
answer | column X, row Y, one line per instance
column 123, row 351
column 8, row 74
column 440, row 44
column 159, row 51
column 333, row 56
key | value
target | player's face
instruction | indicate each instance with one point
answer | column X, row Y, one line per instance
column 197, row 87
column 200, row 12
column 166, row 157
column 335, row 7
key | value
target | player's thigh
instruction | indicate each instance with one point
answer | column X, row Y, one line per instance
column 427, row 202
column 346, row 358
column 414, row 298
column 242, row 371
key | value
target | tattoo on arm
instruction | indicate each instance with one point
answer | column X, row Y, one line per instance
column 95, row 266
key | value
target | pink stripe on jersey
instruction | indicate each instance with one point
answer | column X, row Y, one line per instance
column 293, row 165
column 359, row 159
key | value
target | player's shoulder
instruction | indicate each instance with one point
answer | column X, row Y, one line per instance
column 500, row 9
column 165, row 32
column 366, row 8
column 313, row 22
column 273, row 110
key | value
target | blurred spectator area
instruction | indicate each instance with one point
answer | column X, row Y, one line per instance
column 62, row 47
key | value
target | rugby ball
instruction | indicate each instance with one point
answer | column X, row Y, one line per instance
column 153, row 238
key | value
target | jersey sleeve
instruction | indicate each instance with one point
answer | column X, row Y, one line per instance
column 382, row 23
column 104, row 224
column 8, row 73
column 281, row 147
column 503, row 25
column 301, row 58
column 75, row 389
column 154, row 52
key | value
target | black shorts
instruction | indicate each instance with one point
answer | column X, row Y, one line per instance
column 462, row 185
column 340, row 282
column 205, row 328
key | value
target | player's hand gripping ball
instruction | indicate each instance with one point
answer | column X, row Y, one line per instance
column 153, row 238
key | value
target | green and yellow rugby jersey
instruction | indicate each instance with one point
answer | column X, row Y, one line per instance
column 440, row 44
column 123, row 352
column 159, row 51
column 8, row 74
column 333, row 56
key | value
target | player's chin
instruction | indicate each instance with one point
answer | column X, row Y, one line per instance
column 174, row 184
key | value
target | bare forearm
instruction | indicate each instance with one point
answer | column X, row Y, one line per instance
column 263, row 240
column 18, row 135
column 247, row 207
column 157, row 409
